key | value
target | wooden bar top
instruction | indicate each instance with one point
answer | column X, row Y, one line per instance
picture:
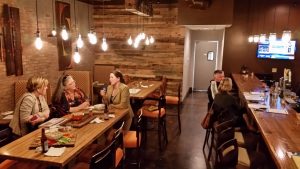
column 19, row 149
column 281, row 132
column 145, row 88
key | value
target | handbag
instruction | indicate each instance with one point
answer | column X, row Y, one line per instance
column 206, row 122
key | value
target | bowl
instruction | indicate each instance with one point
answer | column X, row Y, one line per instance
column 77, row 116
column 99, row 106
column 54, row 135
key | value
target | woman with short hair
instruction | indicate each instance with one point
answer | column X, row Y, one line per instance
column 31, row 108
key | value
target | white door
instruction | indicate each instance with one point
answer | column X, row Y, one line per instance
column 205, row 63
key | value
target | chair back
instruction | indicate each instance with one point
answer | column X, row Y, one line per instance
column 20, row 89
column 138, row 130
column 227, row 154
column 106, row 157
column 83, row 80
column 5, row 136
column 224, row 132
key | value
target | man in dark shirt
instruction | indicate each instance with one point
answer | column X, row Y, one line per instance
column 213, row 86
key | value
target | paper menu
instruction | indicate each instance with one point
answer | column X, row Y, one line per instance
column 257, row 106
column 253, row 97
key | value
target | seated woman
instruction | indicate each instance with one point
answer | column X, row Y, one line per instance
column 67, row 98
column 31, row 108
column 118, row 97
column 226, row 107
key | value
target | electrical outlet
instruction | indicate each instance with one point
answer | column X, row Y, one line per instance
column 274, row 70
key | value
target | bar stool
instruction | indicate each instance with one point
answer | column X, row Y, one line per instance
column 175, row 100
column 159, row 114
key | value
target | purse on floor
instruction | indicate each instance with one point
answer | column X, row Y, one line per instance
column 206, row 122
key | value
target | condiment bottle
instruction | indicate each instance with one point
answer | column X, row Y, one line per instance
column 44, row 141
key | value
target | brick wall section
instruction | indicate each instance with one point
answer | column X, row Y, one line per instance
column 43, row 62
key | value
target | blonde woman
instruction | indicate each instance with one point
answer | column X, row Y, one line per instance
column 228, row 105
column 31, row 108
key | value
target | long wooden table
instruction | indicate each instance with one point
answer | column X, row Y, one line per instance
column 146, row 88
column 281, row 132
column 19, row 149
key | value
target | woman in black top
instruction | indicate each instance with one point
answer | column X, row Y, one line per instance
column 226, row 106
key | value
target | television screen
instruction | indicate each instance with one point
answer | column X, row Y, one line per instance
column 276, row 50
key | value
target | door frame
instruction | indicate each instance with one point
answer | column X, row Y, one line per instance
column 194, row 65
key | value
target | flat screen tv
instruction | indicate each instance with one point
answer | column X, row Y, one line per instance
column 276, row 50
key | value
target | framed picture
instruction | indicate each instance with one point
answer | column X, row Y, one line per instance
column 63, row 20
column 210, row 55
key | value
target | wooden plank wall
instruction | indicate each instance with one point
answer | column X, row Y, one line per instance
column 163, row 58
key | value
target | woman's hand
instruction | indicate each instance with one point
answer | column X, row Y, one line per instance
column 35, row 119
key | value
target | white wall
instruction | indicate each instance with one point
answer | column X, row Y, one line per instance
column 191, row 37
column 186, row 63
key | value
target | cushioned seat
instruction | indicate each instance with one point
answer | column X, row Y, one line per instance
column 130, row 140
column 14, row 164
column 172, row 100
column 243, row 157
column 153, row 114
column 239, row 138
column 118, row 156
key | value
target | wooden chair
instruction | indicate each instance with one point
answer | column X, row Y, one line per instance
column 132, row 140
column 158, row 114
column 175, row 100
column 224, row 132
column 227, row 155
column 20, row 89
column 5, row 136
column 109, row 158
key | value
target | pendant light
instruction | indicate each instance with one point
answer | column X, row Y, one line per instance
column 286, row 35
column 104, row 45
column 92, row 34
column 262, row 37
column 64, row 34
column 38, row 41
column 79, row 42
column 53, row 32
column 76, row 57
column 272, row 35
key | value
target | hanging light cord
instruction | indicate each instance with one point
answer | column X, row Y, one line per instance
column 75, row 17
column 89, row 15
column 53, row 13
column 103, row 16
column 288, row 22
column 37, row 16
column 274, row 15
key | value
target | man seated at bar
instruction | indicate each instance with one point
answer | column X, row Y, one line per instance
column 67, row 98
column 213, row 86
column 118, row 96
column 32, row 108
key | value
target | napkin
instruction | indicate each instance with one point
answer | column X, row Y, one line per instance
column 257, row 106
column 8, row 117
column 280, row 111
column 7, row 113
column 296, row 159
column 97, row 120
column 55, row 152
column 111, row 116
